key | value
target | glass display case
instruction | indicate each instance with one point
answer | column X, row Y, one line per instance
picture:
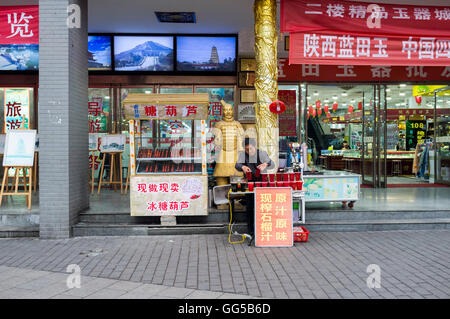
column 167, row 154
column 172, row 146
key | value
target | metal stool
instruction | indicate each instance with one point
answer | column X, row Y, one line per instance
column 396, row 167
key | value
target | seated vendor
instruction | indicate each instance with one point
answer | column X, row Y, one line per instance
column 251, row 160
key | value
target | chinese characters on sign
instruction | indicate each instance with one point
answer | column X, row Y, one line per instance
column 273, row 217
column 166, row 111
column 315, row 72
column 19, row 24
column 344, row 16
column 333, row 48
column 173, row 195
column 17, row 108
column 97, row 113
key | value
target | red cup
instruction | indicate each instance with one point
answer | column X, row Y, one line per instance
column 291, row 177
column 257, row 184
column 258, row 173
column 272, row 177
column 286, row 183
column 293, row 185
column 249, row 176
column 285, row 177
column 264, row 184
column 299, row 185
column 297, row 176
column 250, row 186
column 264, row 177
column 279, row 175
column 272, row 184
column 280, row 184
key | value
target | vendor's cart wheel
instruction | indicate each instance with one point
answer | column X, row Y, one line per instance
column 350, row 204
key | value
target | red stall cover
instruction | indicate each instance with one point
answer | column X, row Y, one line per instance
column 19, row 24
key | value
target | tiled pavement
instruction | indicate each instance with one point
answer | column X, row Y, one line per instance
column 19, row 283
column 414, row 264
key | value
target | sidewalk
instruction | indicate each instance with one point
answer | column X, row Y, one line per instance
column 17, row 283
column 414, row 264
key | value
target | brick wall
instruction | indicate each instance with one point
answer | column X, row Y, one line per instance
column 62, row 116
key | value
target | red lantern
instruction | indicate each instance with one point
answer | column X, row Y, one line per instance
column 350, row 108
column 277, row 107
column 319, row 111
column 310, row 109
column 326, row 108
column 360, row 106
column 313, row 113
column 318, row 105
column 418, row 99
column 328, row 114
column 335, row 106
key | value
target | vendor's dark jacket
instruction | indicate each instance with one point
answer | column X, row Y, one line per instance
column 254, row 161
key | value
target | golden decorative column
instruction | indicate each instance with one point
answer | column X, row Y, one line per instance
column 266, row 83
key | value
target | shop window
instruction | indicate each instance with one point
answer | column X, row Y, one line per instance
column 215, row 114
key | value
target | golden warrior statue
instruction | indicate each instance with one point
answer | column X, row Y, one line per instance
column 228, row 141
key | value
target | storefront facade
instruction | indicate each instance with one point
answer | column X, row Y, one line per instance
column 58, row 95
column 367, row 105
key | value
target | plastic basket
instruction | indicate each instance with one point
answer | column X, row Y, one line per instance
column 299, row 235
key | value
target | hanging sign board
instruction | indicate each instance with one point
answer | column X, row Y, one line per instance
column 357, row 73
column 415, row 133
column 166, row 106
column 361, row 49
column 368, row 18
column 288, row 119
column 19, row 148
column 273, row 217
column 19, row 24
column 169, row 195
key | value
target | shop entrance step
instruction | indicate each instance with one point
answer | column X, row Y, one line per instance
column 378, row 225
column 102, row 229
column 23, row 231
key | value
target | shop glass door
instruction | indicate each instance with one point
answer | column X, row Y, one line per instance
column 381, row 124
column 368, row 137
column 442, row 132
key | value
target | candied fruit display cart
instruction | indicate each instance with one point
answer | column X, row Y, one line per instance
column 167, row 154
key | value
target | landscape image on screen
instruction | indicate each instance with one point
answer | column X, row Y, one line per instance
column 99, row 53
column 142, row 53
column 206, row 54
column 19, row 57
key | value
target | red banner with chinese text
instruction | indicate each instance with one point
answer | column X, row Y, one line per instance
column 19, row 24
column 360, row 73
column 369, row 18
column 359, row 49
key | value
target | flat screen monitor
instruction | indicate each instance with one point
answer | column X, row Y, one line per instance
column 206, row 53
column 99, row 53
column 19, row 57
column 143, row 53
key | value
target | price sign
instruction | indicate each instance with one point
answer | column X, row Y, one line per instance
column 273, row 217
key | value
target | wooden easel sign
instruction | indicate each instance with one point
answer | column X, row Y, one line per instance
column 19, row 148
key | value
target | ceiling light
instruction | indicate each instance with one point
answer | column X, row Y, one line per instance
column 402, row 85
column 344, row 94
